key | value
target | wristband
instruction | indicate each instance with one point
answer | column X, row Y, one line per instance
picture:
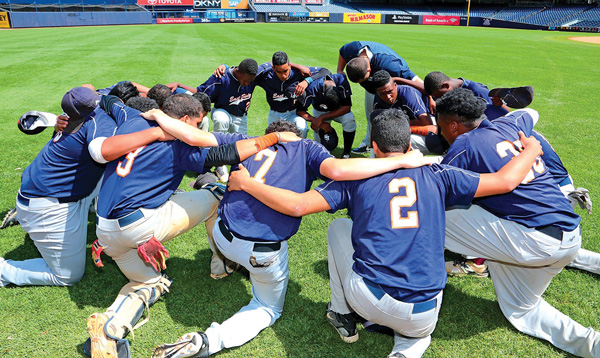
column 266, row 141
column 309, row 80
column 420, row 130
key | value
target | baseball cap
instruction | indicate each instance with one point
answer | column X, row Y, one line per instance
column 514, row 97
column 329, row 140
column 77, row 104
column 34, row 122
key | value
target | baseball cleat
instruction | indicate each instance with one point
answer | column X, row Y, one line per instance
column 193, row 345
column 360, row 150
column 463, row 267
column 101, row 345
column 345, row 324
column 9, row 219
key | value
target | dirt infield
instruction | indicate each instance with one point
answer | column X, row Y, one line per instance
column 588, row 39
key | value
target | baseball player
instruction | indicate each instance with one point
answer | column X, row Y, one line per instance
column 403, row 209
column 256, row 237
column 359, row 69
column 137, row 212
column 414, row 104
column 331, row 99
column 54, row 199
column 527, row 235
column 436, row 84
column 276, row 78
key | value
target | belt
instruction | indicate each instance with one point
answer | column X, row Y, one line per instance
column 25, row 201
column 122, row 221
column 551, row 231
column 418, row 307
column 258, row 246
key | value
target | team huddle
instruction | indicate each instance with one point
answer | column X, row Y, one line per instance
column 492, row 190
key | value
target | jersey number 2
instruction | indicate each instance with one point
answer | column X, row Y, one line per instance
column 411, row 220
column 124, row 170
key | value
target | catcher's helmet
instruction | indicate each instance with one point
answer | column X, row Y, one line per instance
column 33, row 122
column 329, row 140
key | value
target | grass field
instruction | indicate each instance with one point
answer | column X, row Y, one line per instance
column 39, row 65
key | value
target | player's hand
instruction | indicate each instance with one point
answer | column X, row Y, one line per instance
column 285, row 137
column 61, row 122
column 173, row 86
column 300, row 87
column 152, row 114
column 316, row 123
column 238, row 177
column 304, row 71
column 87, row 85
column 154, row 253
column 220, row 71
column 325, row 127
column 530, row 143
column 497, row 101
column 414, row 159
column 431, row 105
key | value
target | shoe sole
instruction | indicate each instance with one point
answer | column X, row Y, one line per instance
column 101, row 345
column 350, row 339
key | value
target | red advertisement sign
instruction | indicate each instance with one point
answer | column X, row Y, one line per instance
column 441, row 20
column 278, row 1
column 166, row 2
column 174, row 21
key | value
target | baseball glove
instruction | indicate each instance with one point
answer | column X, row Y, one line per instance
column 10, row 219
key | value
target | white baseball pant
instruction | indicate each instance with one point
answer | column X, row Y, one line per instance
column 225, row 122
column 522, row 261
column 347, row 121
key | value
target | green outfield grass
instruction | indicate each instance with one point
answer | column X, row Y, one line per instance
column 39, row 65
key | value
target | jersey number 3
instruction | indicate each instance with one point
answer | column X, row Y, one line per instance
column 124, row 170
column 411, row 220
column 505, row 146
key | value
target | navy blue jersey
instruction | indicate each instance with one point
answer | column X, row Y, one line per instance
column 409, row 100
column 553, row 163
column 227, row 93
column 147, row 176
column 537, row 201
column 353, row 49
column 293, row 166
column 481, row 91
column 106, row 91
column 314, row 93
column 399, row 219
column 396, row 66
column 278, row 94
column 64, row 168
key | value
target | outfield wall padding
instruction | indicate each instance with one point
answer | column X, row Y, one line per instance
column 52, row 19
column 486, row 22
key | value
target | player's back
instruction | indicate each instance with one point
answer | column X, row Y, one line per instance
column 537, row 201
column 147, row 176
column 352, row 49
column 293, row 166
column 398, row 225
column 64, row 168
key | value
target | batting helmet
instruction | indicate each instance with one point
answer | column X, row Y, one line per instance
column 330, row 139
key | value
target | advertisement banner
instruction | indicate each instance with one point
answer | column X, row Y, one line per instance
column 4, row 23
column 362, row 18
column 401, row 19
column 234, row 4
column 298, row 14
column 318, row 14
column 166, row 2
column 238, row 19
column 175, row 21
column 278, row 1
column 207, row 4
column 441, row 20
column 314, row 2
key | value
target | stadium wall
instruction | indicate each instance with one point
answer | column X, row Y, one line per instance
column 53, row 19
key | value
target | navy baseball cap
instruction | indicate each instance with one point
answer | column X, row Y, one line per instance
column 329, row 139
column 34, row 122
column 77, row 104
column 514, row 97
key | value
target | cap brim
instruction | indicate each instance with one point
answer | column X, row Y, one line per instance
column 514, row 97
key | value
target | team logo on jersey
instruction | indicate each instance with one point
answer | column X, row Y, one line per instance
column 234, row 101
column 279, row 97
